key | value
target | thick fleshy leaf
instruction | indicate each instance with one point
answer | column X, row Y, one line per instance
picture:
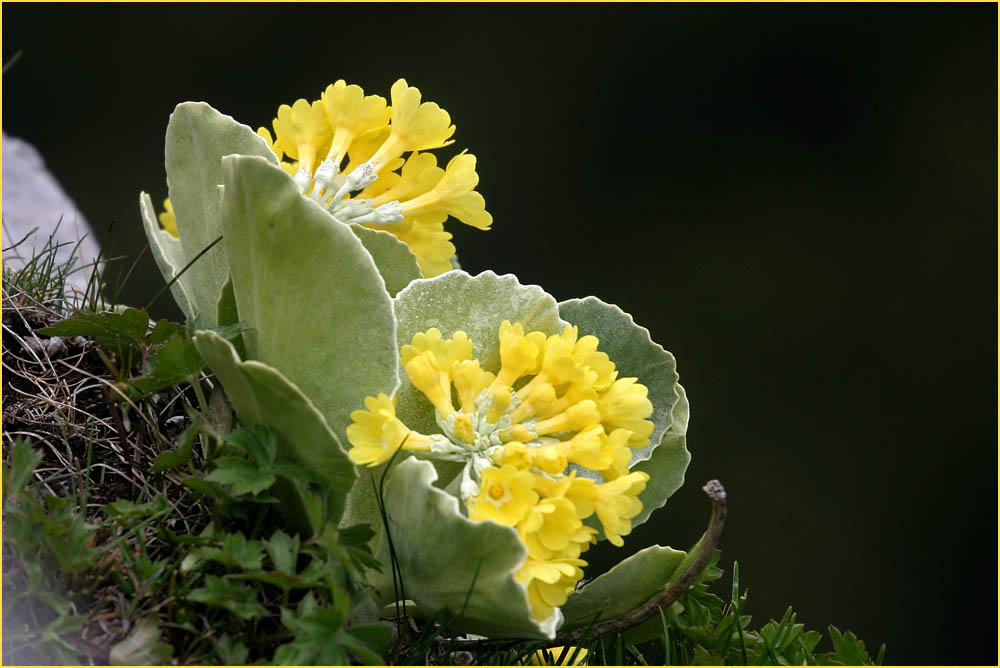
column 168, row 254
column 393, row 258
column 198, row 137
column 443, row 555
column 635, row 354
column 625, row 587
column 312, row 298
column 263, row 395
column 669, row 462
column 476, row 305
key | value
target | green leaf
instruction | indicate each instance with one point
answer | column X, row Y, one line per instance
column 231, row 651
column 397, row 264
column 114, row 331
column 23, row 460
column 636, row 355
column 168, row 254
column 848, row 650
column 668, row 464
column 625, row 587
column 142, row 646
column 258, row 441
column 442, row 555
column 262, row 395
column 163, row 330
column 242, row 476
column 176, row 362
column 283, row 551
column 236, row 598
column 312, row 297
column 243, row 553
column 178, row 457
column 129, row 514
column 198, row 137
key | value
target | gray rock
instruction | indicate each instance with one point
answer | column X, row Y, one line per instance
column 32, row 198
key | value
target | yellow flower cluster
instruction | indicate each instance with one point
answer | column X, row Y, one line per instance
column 390, row 181
column 546, row 441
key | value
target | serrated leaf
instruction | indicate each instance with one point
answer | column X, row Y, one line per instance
column 115, row 331
column 236, row 598
column 128, row 513
column 262, row 395
column 847, row 648
column 176, row 362
column 283, row 551
column 625, row 587
column 163, row 330
column 142, row 646
column 312, row 297
column 178, row 457
column 231, row 651
column 23, row 460
column 242, row 476
column 197, row 138
column 259, row 441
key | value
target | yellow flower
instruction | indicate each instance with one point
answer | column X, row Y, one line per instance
column 168, row 220
column 551, row 656
column 617, row 503
column 506, row 495
column 377, row 433
column 303, row 132
column 519, row 446
column 351, row 114
column 549, row 583
column 412, row 203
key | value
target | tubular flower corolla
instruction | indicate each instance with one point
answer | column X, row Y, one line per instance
column 545, row 441
column 367, row 162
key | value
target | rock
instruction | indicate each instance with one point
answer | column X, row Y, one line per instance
column 32, row 198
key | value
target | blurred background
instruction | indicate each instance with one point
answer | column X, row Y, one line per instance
column 799, row 201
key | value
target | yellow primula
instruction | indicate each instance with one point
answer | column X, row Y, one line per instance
column 550, row 459
column 168, row 220
column 390, row 182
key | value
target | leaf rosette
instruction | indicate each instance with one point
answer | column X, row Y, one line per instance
column 520, row 430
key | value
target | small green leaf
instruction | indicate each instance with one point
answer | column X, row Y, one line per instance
column 848, row 650
column 142, row 646
column 242, row 476
column 128, row 513
column 258, row 441
column 236, row 598
column 109, row 329
column 231, row 651
column 23, row 460
column 163, row 330
column 180, row 456
column 176, row 362
column 283, row 551
column 262, row 395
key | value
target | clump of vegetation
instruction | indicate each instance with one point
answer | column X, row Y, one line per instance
column 144, row 525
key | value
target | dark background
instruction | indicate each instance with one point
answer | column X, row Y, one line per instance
column 799, row 201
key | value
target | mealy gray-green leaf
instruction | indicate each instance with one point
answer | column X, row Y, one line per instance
column 635, row 354
column 312, row 298
column 443, row 555
column 262, row 395
column 476, row 305
column 168, row 254
column 625, row 587
column 198, row 137
column 393, row 258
